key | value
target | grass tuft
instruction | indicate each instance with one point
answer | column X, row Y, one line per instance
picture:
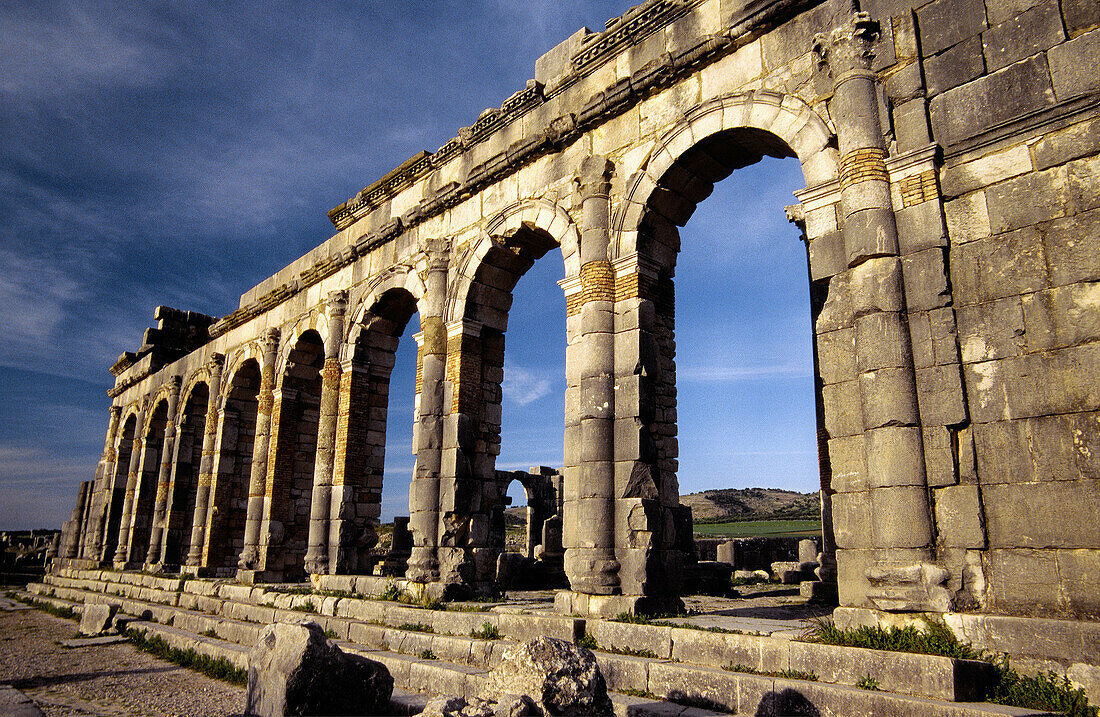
column 488, row 631
column 868, row 683
column 588, row 642
column 416, row 627
column 427, row 655
column 307, row 606
column 217, row 667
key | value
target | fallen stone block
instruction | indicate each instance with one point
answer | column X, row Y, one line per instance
column 561, row 677
column 294, row 670
column 96, row 618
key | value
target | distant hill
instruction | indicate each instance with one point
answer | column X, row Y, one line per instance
column 733, row 504
column 751, row 503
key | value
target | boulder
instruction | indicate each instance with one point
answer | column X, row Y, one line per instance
column 294, row 670
column 562, row 678
column 96, row 618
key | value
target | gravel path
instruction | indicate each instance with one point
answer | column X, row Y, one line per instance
column 109, row 680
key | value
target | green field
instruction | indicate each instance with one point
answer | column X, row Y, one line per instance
column 760, row 528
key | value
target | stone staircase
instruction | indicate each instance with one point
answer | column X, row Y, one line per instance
column 657, row 670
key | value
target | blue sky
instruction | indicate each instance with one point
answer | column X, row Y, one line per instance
column 155, row 153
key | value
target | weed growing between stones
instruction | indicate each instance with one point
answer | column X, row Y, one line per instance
column 217, row 667
column 588, row 642
column 416, row 627
column 868, row 683
column 631, row 652
column 785, row 674
column 331, row 634
column 427, row 655
column 307, row 606
column 488, row 631
column 209, row 632
column 50, row 609
column 754, row 580
column 639, row 693
column 1046, row 691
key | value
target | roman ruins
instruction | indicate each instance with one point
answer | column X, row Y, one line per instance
column 951, row 217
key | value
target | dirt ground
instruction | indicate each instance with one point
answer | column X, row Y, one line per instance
column 109, row 680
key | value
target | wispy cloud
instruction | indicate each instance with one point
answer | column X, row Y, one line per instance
column 725, row 374
column 524, row 385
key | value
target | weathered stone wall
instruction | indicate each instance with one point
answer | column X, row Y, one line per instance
column 950, row 151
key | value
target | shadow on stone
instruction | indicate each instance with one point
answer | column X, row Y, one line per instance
column 788, row 703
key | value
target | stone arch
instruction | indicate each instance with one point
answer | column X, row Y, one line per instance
column 236, row 358
column 540, row 216
column 368, row 359
column 397, row 278
column 226, row 516
column 758, row 115
column 145, row 491
column 293, row 446
column 183, row 484
column 315, row 321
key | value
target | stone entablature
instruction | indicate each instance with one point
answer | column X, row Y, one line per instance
column 953, row 279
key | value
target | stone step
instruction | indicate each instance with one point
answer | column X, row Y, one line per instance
column 706, row 690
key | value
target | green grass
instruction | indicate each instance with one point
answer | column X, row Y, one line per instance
column 588, row 642
column 1046, row 691
column 216, row 667
column 50, row 609
column 427, row 655
column 416, row 627
column 760, row 528
column 488, row 631
column 868, row 683
column 785, row 674
column 307, row 606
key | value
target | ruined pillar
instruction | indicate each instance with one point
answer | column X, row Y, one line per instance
column 900, row 573
column 160, row 507
column 101, row 498
column 424, row 511
column 206, row 463
column 250, row 556
column 71, row 545
column 317, row 558
column 133, row 475
column 589, row 492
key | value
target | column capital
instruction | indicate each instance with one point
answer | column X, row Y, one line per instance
column 115, row 412
column 269, row 340
column 336, row 303
column 594, row 177
column 849, row 48
column 175, row 383
column 216, row 362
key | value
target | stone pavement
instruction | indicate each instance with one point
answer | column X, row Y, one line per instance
column 112, row 680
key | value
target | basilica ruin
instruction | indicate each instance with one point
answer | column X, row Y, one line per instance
column 951, row 217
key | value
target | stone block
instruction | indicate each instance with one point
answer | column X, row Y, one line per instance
column 1021, row 581
column 955, row 66
column 836, row 354
column 905, row 84
column 1062, row 316
column 1046, row 514
column 717, row 689
column 852, row 583
column 1028, row 200
column 940, row 395
column 848, row 462
column 925, row 280
column 939, row 456
column 870, row 232
column 827, row 255
column 991, row 330
column 876, row 285
column 1080, row 15
column 958, row 179
column 1079, row 575
column 1009, row 93
column 619, row 636
column 911, row 127
column 894, row 456
column 920, row 227
column 995, row 268
column 944, row 22
column 967, row 218
column 843, row 410
column 888, row 397
column 1072, row 65
column 1036, row 29
column 882, row 341
column 852, row 520
column 920, row 339
column 959, row 517
column 95, row 618
column 836, row 313
column 901, row 517
column 1078, row 140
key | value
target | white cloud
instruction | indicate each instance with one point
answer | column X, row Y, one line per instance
column 35, row 294
column 725, row 374
column 523, row 385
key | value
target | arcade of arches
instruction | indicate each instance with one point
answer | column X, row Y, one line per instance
column 253, row 445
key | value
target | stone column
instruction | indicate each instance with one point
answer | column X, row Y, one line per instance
column 156, row 533
column 316, row 560
column 428, row 434
column 70, row 548
column 901, row 575
column 206, row 463
column 93, row 540
column 133, row 474
column 250, row 556
column 590, row 531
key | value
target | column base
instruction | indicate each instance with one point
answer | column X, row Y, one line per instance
column 911, row 587
column 568, row 602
